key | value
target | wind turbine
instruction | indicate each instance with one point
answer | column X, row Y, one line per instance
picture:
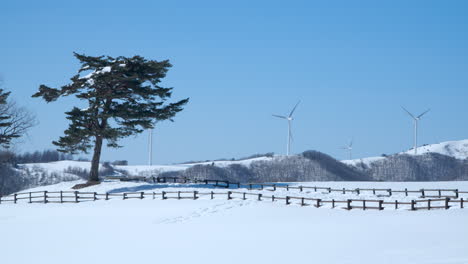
column 416, row 121
column 150, row 145
column 289, row 118
column 349, row 148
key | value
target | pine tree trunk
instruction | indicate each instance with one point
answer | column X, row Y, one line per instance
column 94, row 173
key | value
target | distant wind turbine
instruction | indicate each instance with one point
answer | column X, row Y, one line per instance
column 416, row 121
column 349, row 148
column 150, row 147
column 289, row 118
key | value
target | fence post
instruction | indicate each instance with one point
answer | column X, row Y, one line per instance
column 287, row 188
column 318, row 203
column 76, row 197
column 0, row 199
column 30, row 198
column 456, row 193
column 381, row 205
column 287, row 200
column 302, row 201
column 154, row 195
column 272, row 198
column 178, row 195
column 329, row 190
column 358, row 191
column 94, row 196
column 412, row 205
column 61, row 197
column 461, row 202
column 243, row 196
column 344, row 191
column 389, row 192
column 429, row 204
column 124, row 196
column 422, row 193
column 373, row 191
column 142, row 195
column 195, row 195
column 315, row 189
column 15, row 197
column 406, row 191
column 300, row 188
column 229, row 195
column 348, row 204
column 259, row 196
column 447, row 200
column 107, row 196
column 333, row 203
column 363, row 204
column 45, row 196
column 440, row 193
column 396, row 204
column 164, row 195
column 274, row 187
column 212, row 195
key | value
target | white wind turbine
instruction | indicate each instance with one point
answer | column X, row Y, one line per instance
column 289, row 118
column 416, row 121
column 150, row 145
column 349, row 148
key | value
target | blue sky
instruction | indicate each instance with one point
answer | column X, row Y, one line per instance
column 352, row 63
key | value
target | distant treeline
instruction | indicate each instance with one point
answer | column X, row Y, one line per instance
column 41, row 157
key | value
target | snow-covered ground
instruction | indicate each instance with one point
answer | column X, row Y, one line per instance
column 228, row 231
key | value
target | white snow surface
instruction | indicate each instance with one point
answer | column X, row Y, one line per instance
column 234, row 231
column 456, row 149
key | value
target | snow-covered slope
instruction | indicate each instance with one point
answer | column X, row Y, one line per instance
column 228, row 231
column 456, row 149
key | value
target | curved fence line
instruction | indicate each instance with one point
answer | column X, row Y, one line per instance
column 349, row 204
column 424, row 193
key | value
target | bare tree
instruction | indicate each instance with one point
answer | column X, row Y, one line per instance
column 19, row 120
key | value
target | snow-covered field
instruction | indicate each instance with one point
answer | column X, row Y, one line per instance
column 234, row 231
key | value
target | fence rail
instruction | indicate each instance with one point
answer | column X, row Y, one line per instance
column 349, row 204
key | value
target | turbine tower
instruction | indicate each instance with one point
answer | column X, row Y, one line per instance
column 416, row 121
column 289, row 118
column 349, row 148
column 150, row 147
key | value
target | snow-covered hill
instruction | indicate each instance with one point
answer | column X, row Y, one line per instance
column 456, row 149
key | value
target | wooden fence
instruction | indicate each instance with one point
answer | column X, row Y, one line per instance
column 422, row 193
column 349, row 204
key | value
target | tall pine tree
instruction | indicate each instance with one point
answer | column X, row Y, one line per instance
column 124, row 97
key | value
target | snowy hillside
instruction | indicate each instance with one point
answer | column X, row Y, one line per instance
column 228, row 231
column 455, row 149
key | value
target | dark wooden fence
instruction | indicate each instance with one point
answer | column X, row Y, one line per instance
column 384, row 192
column 349, row 204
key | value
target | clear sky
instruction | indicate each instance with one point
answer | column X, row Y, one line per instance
column 352, row 63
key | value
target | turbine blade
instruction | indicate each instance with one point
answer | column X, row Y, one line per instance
column 283, row 117
column 419, row 116
column 408, row 113
column 294, row 109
